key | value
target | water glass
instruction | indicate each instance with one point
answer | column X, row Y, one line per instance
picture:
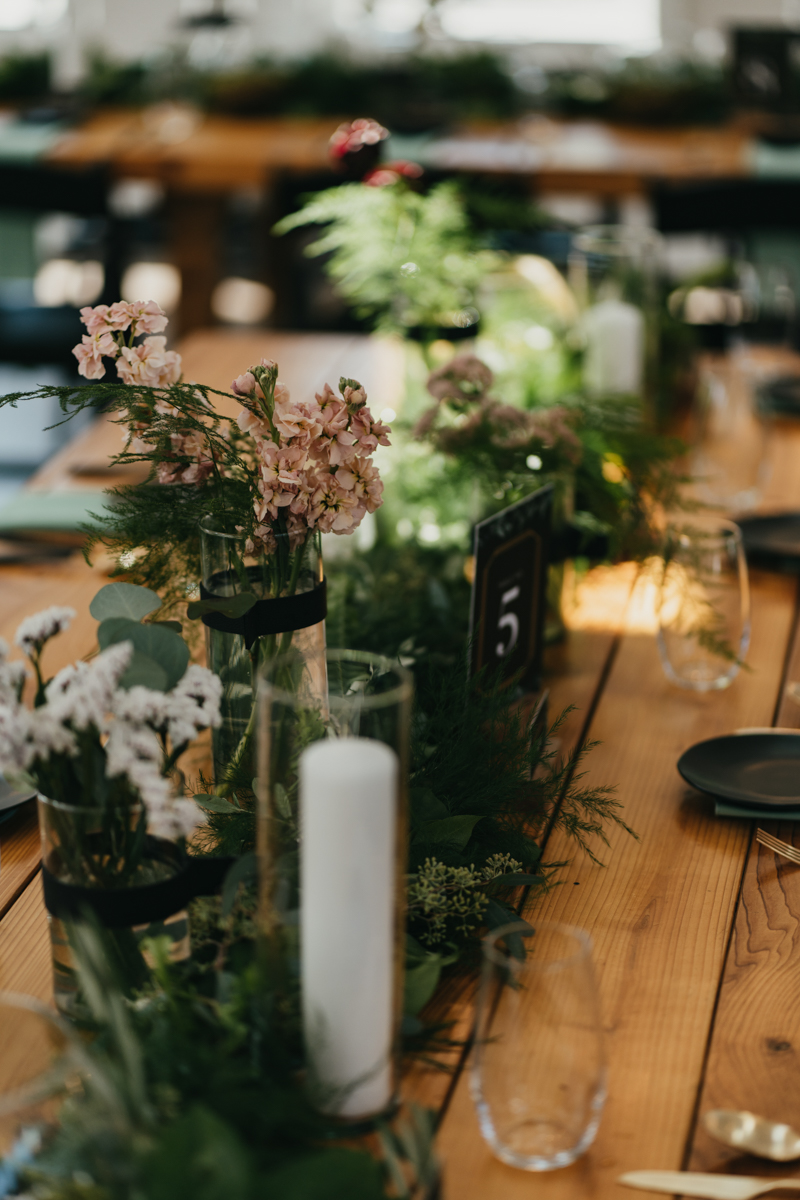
column 730, row 459
column 538, row 1073
column 704, row 603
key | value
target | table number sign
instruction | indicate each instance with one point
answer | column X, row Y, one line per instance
column 509, row 588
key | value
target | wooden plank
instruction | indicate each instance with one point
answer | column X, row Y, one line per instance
column 752, row 1059
column 19, row 855
column 25, row 963
column 659, row 913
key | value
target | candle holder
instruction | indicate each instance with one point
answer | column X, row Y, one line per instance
column 332, row 844
column 613, row 272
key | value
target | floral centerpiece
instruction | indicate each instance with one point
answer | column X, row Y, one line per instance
column 101, row 749
column 236, row 506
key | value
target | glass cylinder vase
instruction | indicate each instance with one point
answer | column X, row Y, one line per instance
column 613, row 272
column 332, row 842
column 289, row 613
column 88, row 852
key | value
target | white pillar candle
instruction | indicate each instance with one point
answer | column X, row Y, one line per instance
column 614, row 362
column 348, row 807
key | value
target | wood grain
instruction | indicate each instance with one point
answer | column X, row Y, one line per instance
column 659, row 914
column 754, row 1055
column 19, row 855
column 25, row 964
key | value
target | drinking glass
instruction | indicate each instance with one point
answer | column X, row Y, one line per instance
column 538, row 1073
column 730, row 460
column 704, row 603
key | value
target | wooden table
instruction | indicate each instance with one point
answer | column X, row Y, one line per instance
column 696, row 928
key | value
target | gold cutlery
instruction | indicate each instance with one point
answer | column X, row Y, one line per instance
column 777, row 846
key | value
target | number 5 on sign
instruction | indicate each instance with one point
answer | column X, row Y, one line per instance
column 508, row 591
column 508, row 620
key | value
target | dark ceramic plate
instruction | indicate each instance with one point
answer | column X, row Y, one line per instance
column 753, row 769
column 772, row 541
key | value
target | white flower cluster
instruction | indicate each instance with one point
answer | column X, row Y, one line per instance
column 34, row 631
column 127, row 723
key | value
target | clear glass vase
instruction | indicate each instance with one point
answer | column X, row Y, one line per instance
column 613, row 270
column 332, row 842
column 96, row 849
column 286, row 575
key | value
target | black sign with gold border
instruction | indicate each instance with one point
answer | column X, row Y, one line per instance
column 512, row 552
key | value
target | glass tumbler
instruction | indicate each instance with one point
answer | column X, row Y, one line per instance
column 538, row 1072
column 704, row 603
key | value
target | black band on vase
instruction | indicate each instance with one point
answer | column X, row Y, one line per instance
column 118, row 908
column 281, row 615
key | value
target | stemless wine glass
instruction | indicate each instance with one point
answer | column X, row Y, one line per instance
column 538, row 1074
column 704, row 603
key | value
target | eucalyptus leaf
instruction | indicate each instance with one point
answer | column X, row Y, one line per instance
column 165, row 647
column 425, row 806
column 244, row 870
column 144, row 671
column 228, row 606
column 282, row 801
column 124, row 600
column 420, row 982
column 175, row 626
column 453, row 831
column 216, row 804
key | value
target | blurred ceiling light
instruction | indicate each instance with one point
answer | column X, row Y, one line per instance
column 65, row 281
column 131, row 198
column 629, row 23
column 709, row 44
column 241, row 301
column 21, row 14
column 398, row 16
column 707, row 306
column 153, row 281
column 55, row 234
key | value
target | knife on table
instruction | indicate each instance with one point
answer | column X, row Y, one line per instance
column 713, row 1187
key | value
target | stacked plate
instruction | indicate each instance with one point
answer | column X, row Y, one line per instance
column 10, row 800
column 759, row 770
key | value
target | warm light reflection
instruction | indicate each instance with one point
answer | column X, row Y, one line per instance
column 609, row 599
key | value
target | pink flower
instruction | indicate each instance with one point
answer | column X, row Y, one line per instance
column 102, row 318
column 244, row 385
column 369, row 432
column 257, row 427
column 333, row 508
column 361, row 478
column 293, row 420
column 91, row 351
column 150, row 364
column 333, row 412
column 145, row 315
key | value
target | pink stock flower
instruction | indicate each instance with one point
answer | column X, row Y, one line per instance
column 244, row 385
column 333, row 508
column 361, row 478
column 103, row 319
column 296, row 420
column 146, row 316
column 150, row 363
column 91, row 351
column 369, row 432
